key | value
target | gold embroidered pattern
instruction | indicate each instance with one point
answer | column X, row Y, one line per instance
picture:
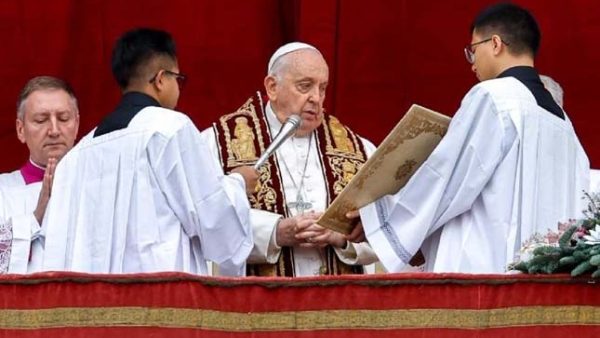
column 343, row 152
column 245, row 114
column 403, row 150
column 343, row 170
column 243, row 143
column 395, row 319
column 417, row 126
column 242, row 150
column 264, row 197
column 405, row 169
column 344, row 143
column 340, row 136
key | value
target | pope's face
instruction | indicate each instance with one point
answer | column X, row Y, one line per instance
column 301, row 89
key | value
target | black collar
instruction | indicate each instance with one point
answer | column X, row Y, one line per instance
column 531, row 79
column 137, row 99
column 131, row 103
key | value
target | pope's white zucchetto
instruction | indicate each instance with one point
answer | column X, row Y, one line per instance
column 286, row 49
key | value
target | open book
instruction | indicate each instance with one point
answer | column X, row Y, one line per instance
column 397, row 158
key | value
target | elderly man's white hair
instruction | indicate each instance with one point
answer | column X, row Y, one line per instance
column 554, row 88
column 277, row 61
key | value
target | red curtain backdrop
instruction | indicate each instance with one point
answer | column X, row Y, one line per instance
column 384, row 55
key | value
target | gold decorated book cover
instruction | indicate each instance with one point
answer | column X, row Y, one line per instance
column 402, row 152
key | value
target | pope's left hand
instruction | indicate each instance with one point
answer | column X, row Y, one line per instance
column 312, row 235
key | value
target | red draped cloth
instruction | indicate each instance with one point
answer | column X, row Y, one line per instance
column 409, row 305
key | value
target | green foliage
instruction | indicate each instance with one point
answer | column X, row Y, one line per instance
column 521, row 266
column 595, row 260
column 550, row 267
column 581, row 254
column 590, row 223
column 546, row 251
column 572, row 254
column 569, row 261
column 582, row 268
column 565, row 240
column 542, row 264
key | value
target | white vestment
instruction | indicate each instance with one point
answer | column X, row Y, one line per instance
column 293, row 152
column 595, row 181
column 506, row 169
column 12, row 179
column 17, row 203
column 143, row 199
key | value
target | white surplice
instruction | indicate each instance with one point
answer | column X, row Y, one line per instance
column 506, row 169
column 595, row 181
column 12, row 179
column 17, row 203
column 143, row 199
column 294, row 152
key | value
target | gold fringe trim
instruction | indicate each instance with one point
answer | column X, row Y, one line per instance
column 271, row 283
column 300, row 320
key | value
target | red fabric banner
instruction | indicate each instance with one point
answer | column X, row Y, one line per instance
column 415, row 305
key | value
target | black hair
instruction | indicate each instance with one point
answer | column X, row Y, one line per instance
column 135, row 49
column 515, row 25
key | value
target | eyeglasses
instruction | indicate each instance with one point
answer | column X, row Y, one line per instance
column 180, row 78
column 470, row 52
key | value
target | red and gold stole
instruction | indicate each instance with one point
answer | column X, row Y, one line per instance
column 244, row 135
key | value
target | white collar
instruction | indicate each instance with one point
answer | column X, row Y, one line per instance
column 275, row 125
column 36, row 165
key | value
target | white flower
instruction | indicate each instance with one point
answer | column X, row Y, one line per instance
column 594, row 237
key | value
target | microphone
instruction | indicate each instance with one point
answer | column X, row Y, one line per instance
column 292, row 124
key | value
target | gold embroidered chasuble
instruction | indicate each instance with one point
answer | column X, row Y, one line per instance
column 243, row 136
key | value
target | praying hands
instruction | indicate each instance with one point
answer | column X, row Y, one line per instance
column 312, row 235
column 287, row 228
column 46, row 191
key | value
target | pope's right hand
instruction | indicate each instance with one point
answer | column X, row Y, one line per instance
column 287, row 228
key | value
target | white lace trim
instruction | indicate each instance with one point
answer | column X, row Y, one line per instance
column 6, row 238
